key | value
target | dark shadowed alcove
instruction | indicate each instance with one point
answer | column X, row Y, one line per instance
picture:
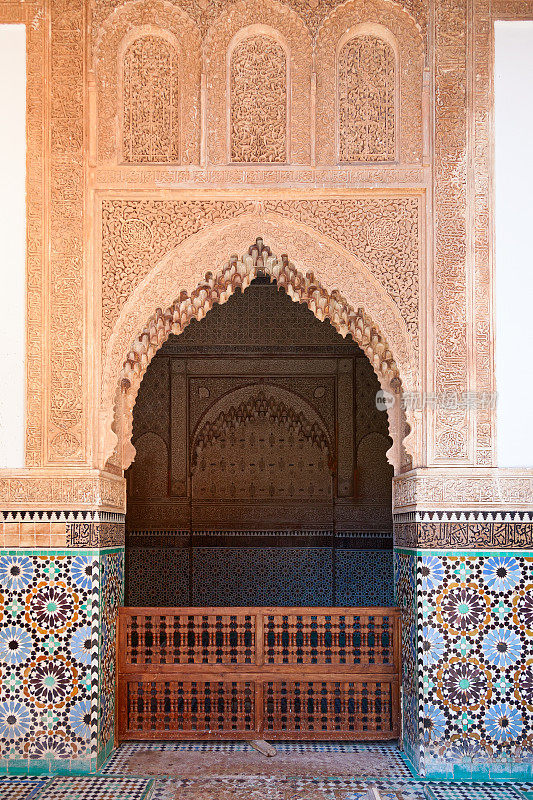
column 261, row 475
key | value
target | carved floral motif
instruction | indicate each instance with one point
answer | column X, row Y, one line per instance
column 450, row 226
column 383, row 232
column 162, row 35
column 446, row 488
column 205, row 12
column 150, row 121
column 388, row 40
column 366, row 86
column 64, row 491
column 66, row 400
column 258, row 96
column 261, row 26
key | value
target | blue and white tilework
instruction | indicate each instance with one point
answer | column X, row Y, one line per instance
column 111, row 597
column 237, row 576
column 47, row 605
column 56, row 641
column 474, row 664
column 405, row 583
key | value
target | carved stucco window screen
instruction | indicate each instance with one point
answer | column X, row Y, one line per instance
column 259, row 405
column 229, row 429
column 367, row 97
column 258, row 97
column 149, row 114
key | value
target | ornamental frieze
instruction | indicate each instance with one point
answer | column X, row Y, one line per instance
column 464, row 535
column 383, row 232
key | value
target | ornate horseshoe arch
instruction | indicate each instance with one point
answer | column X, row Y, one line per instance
column 153, row 312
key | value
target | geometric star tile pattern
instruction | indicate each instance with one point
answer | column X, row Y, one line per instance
column 46, row 641
column 474, row 662
column 111, row 598
column 405, row 565
column 57, row 632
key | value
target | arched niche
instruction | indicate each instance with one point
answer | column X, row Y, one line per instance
column 367, row 118
column 258, row 93
column 390, row 24
column 134, row 21
column 149, row 113
column 254, row 427
column 281, row 26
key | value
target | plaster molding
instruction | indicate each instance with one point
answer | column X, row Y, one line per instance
column 467, row 489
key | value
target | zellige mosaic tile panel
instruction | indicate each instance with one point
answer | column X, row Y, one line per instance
column 46, row 643
column 111, row 597
column 475, row 661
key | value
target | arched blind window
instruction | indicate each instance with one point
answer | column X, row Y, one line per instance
column 258, row 92
column 366, row 101
column 150, row 102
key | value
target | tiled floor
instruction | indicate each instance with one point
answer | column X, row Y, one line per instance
column 260, row 788
column 294, row 760
column 383, row 768
column 369, row 761
column 466, row 791
column 20, row 788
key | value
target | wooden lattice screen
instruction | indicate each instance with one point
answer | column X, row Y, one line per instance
column 241, row 673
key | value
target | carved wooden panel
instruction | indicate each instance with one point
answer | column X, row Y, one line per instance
column 375, row 474
column 148, row 476
column 150, row 121
column 258, row 97
column 319, row 673
column 366, row 103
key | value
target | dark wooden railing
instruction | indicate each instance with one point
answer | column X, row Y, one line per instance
column 246, row 673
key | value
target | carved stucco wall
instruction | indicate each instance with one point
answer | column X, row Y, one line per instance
column 135, row 21
column 283, row 33
column 384, row 233
column 398, row 32
column 366, row 99
column 71, row 169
